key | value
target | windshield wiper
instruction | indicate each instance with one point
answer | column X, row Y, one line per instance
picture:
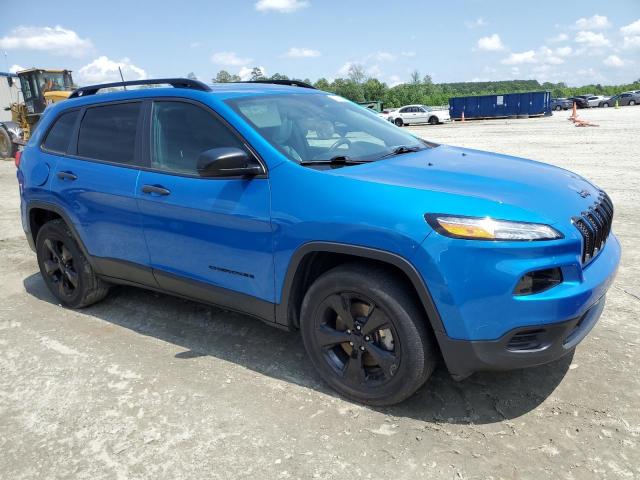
column 337, row 160
column 400, row 150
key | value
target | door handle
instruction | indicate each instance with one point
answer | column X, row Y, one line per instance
column 157, row 189
column 67, row 176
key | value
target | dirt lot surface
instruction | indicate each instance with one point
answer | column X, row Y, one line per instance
column 148, row 386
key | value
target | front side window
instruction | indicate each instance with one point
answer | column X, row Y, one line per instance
column 60, row 133
column 108, row 133
column 318, row 127
column 181, row 131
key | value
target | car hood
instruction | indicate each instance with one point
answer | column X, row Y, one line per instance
column 472, row 182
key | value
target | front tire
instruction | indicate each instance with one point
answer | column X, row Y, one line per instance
column 557, row 108
column 366, row 335
column 632, row 103
column 605, row 105
column 65, row 269
column 433, row 120
column 7, row 147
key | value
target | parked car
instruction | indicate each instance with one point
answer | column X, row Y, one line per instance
column 580, row 101
column 300, row 208
column 594, row 101
column 561, row 104
column 623, row 99
column 413, row 114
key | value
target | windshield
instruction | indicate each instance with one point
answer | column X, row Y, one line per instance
column 319, row 127
column 54, row 81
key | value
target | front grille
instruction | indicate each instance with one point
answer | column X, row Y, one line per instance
column 595, row 225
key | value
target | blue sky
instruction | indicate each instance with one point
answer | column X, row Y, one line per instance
column 573, row 41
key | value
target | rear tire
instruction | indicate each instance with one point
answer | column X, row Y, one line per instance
column 398, row 122
column 392, row 352
column 632, row 103
column 605, row 105
column 65, row 269
column 557, row 108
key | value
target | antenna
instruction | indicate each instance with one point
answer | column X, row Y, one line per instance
column 121, row 76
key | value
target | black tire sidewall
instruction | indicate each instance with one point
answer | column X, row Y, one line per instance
column 415, row 358
column 7, row 137
column 398, row 122
column 58, row 231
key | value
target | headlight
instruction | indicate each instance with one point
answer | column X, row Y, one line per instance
column 486, row 228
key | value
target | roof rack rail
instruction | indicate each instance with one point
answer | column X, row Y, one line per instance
column 174, row 82
column 291, row 83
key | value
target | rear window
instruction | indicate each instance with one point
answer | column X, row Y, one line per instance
column 108, row 133
column 60, row 134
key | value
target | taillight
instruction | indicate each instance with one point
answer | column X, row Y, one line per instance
column 17, row 158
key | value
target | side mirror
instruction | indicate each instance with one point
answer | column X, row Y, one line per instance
column 228, row 162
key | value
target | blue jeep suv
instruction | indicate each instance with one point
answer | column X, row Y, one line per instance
column 310, row 213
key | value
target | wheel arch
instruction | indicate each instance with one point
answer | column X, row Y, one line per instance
column 39, row 213
column 314, row 258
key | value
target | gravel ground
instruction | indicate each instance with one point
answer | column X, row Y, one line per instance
column 148, row 386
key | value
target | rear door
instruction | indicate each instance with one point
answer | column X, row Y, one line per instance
column 213, row 231
column 95, row 182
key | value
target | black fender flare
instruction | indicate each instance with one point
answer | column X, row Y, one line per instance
column 60, row 212
column 282, row 309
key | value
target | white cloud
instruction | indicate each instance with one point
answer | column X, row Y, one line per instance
column 295, row 52
column 478, row 22
column 490, row 43
column 632, row 42
column 561, row 37
column 15, row 68
column 519, row 58
column 394, row 80
column 103, row 70
column 245, row 72
column 543, row 56
column 282, row 6
column 343, row 71
column 55, row 40
column 613, row 61
column 592, row 39
column 408, row 54
column 563, row 51
column 631, row 29
column 384, row 57
column 597, row 22
column 229, row 58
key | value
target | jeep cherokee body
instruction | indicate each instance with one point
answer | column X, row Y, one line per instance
column 309, row 212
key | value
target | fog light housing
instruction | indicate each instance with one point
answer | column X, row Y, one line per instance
column 538, row 281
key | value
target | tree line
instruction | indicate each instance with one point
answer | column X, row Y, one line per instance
column 360, row 87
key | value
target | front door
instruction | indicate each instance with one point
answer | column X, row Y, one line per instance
column 206, row 236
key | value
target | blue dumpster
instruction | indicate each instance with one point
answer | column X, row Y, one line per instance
column 508, row 105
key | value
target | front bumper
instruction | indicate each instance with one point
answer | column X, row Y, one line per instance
column 520, row 348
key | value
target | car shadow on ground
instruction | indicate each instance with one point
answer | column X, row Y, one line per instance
column 202, row 330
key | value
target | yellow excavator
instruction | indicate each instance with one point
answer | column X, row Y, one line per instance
column 38, row 89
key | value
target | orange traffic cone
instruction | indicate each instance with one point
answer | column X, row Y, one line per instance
column 462, row 119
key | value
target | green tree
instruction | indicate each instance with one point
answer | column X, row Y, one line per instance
column 348, row 88
column 225, row 77
column 356, row 73
column 323, row 84
column 191, row 76
column 374, row 90
column 277, row 76
column 256, row 74
column 415, row 77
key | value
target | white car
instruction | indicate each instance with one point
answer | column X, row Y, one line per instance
column 411, row 114
column 595, row 100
